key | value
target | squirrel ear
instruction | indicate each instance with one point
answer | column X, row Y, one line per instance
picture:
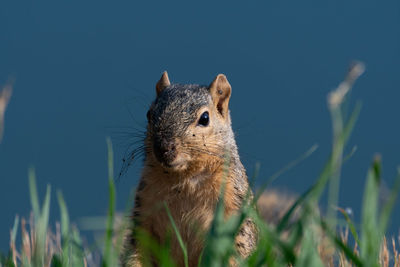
column 162, row 83
column 220, row 91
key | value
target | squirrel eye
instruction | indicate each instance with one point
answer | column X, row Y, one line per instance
column 204, row 119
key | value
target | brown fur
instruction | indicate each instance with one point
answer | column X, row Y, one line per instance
column 188, row 172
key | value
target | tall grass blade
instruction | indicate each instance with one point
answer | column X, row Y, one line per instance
column 219, row 245
column 264, row 253
column 178, row 235
column 64, row 217
column 285, row 169
column 126, row 223
column 349, row 126
column 341, row 135
column 350, row 224
column 44, row 220
column 77, row 255
column 33, row 192
column 152, row 250
column 316, row 190
column 286, row 249
column 41, row 227
column 110, row 256
column 14, row 230
column 335, row 102
column 340, row 245
column 370, row 235
column 309, row 255
column 388, row 206
column 65, row 235
column 13, row 238
column 41, row 220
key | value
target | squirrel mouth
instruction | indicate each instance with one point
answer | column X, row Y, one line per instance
column 169, row 153
column 176, row 164
column 175, row 161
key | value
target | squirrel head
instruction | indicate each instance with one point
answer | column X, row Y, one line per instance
column 188, row 124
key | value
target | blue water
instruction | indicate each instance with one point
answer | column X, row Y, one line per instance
column 86, row 70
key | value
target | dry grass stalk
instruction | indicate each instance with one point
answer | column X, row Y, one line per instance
column 335, row 98
column 396, row 256
column 384, row 254
column 387, row 257
column 25, row 256
column 344, row 235
column 29, row 245
column 13, row 247
column 54, row 240
column 26, row 242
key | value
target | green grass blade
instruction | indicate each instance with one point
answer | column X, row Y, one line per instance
column 348, row 128
column 57, row 262
column 46, row 208
column 350, row 225
column 340, row 136
column 220, row 238
column 65, row 232
column 126, row 222
column 252, row 179
column 370, row 235
column 151, row 249
column 64, row 217
column 317, row 189
column 110, row 255
column 33, row 193
column 309, row 255
column 14, row 230
column 42, row 226
column 41, row 220
column 13, row 238
column 339, row 244
column 178, row 235
column 286, row 249
column 77, row 255
column 336, row 164
column 314, row 191
column 350, row 154
column 388, row 206
column 286, row 168
column 264, row 253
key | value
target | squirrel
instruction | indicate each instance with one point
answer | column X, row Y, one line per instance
column 188, row 141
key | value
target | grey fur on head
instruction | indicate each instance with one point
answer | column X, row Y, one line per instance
column 176, row 107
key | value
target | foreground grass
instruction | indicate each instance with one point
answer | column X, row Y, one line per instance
column 301, row 237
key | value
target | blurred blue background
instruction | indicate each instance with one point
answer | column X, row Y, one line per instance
column 86, row 70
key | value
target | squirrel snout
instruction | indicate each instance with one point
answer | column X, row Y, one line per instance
column 165, row 151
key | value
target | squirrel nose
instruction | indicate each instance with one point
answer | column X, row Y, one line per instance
column 164, row 150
